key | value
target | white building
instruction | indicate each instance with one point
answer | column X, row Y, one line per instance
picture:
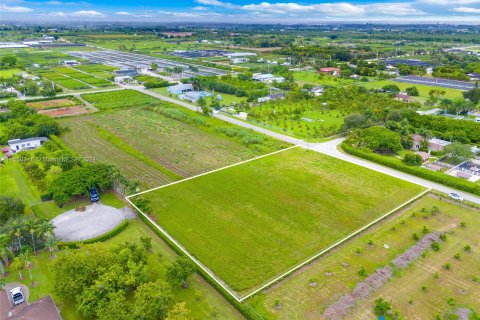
column 317, row 91
column 240, row 60
column 26, row 144
column 180, row 88
column 123, row 79
column 70, row 62
column 240, row 54
column 267, row 77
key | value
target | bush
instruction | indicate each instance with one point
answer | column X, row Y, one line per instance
column 10, row 207
column 412, row 159
column 438, row 177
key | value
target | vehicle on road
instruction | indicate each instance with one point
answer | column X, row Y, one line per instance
column 455, row 196
column 17, row 296
column 477, row 119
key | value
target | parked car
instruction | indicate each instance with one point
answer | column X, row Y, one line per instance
column 455, row 196
column 17, row 296
column 477, row 119
column 94, row 195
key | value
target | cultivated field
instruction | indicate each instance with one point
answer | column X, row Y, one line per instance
column 251, row 222
column 85, row 140
column 53, row 104
column 119, row 99
column 420, row 291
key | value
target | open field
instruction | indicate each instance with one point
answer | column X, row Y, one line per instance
column 119, row 99
column 253, row 221
column 307, row 294
column 84, row 77
column 53, row 104
column 209, row 305
column 7, row 73
column 66, row 112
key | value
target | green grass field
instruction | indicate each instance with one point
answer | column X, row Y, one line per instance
column 253, row 221
column 7, row 73
column 300, row 300
column 227, row 99
column 119, row 99
column 15, row 183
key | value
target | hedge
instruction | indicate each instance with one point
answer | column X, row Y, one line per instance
column 244, row 309
column 434, row 176
column 59, row 142
column 104, row 237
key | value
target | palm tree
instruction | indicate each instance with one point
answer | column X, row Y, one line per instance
column 16, row 230
column 5, row 254
column 45, row 228
column 26, row 261
column 31, row 226
column 52, row 245
column 17, row 265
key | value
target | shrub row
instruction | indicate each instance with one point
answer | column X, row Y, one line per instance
column 434, row 176
column 59, row 142
column 244, row 309
column 104, row 237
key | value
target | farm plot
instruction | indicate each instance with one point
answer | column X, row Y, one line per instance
column 66, row 112
column 84, row 77
column 85, row 140
column 183, row 148
column 53, row 104
column 119, row 99
column 251, row 222
column 64, row 81
column 421, row 291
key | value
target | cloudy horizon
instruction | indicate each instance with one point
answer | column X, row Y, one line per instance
column 243, row 11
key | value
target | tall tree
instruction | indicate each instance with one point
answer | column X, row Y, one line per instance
column 180, row 270
column 152, row 300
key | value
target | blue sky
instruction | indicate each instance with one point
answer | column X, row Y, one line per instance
column 243, row 11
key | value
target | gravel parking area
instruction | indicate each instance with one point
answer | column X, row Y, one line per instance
column 96, row 220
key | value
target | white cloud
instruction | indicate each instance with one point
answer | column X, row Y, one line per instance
column 467, row 10
column 14, row 9
column 449, row 2
column 81, row 13
column 123, row 13
column 331, row 9
column 200, row 8
column 179, row 14
column 87, row 13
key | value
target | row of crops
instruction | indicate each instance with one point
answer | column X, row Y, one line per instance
column 84, row 77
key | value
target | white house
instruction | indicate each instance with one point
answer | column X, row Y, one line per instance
column 240, row 54
column 180, row 88
column 317, row 91
column 267, row 77
column 123, row 79
column 240, row 60
column 26, row 144
column 70, row 62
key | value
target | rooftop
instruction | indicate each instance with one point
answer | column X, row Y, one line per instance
column 27, row 140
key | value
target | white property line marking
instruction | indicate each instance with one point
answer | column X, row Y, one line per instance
column 205, row 173
column 336, row 244
column 215, row 277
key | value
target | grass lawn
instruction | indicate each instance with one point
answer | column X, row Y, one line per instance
column 208, row 305
column 119, row 99
column 7, row 73
column 337, row 272
column 251, row 222
column 14, row 182
column 50, row 210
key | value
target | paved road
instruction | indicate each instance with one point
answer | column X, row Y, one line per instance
column 331, row 148
column 223, row 117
